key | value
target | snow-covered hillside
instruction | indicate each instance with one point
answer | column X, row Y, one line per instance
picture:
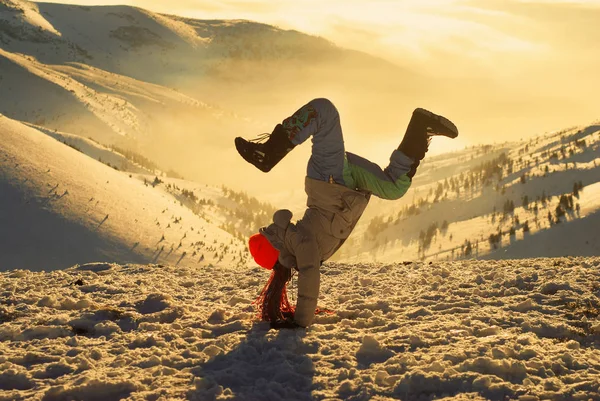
column 491, row 330
column 538, row 197
column 543, row 206
column 90, row 102
column 59, row 206
column 221, row 60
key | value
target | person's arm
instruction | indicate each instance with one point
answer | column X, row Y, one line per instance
column 306, row 251
column 391, row 183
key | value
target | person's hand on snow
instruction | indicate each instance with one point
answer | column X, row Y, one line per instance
column 285, row 324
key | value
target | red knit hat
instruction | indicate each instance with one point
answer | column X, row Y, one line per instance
column 262, row 251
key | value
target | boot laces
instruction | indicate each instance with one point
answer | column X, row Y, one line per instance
column 429, row 137
column 261, row 138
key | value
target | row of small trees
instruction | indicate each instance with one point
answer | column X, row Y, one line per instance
column 481, row 175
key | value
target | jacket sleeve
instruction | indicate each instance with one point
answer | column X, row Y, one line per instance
column 306, row 250
column 275, row 234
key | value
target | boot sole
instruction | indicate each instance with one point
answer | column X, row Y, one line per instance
column 240, row 147
column 453, row 131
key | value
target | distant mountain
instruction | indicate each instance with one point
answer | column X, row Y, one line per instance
column 161, row 48
column 173, row 87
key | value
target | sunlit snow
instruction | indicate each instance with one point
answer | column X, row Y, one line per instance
column 525, row 330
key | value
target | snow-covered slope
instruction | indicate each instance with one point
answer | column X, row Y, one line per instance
column 34, row 92
column 60, row 207
column 90, row 102
column 534, row 198
column 96, row 151
column 485, row 330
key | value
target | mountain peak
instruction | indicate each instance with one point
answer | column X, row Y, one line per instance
column 22, row 19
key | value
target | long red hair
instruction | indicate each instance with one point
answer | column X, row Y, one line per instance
column 272, row 303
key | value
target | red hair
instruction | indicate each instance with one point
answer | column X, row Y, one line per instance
column 272, row 303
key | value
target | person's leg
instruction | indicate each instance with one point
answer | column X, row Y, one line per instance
column 395, row 179
column 320, row 119
column 389, row 183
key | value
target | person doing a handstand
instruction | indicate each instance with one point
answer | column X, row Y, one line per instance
column 338, row 185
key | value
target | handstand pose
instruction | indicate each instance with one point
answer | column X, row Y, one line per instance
column 338, row 185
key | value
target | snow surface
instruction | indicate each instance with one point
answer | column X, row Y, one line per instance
column 526, row 330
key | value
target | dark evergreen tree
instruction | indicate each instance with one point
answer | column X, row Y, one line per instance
column 468, row 248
